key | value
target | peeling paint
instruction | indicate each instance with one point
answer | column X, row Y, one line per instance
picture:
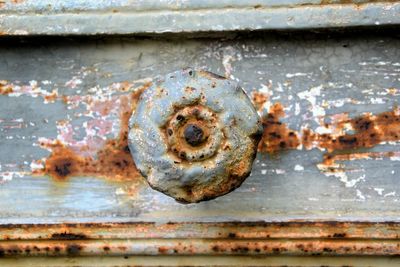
column 340, row 134
column 109, row 158
column 103, row 109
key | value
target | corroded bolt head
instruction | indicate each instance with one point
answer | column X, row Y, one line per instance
column 194, row 135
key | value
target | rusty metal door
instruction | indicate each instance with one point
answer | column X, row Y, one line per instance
column 325, row 182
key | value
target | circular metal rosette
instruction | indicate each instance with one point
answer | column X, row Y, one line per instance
column 194, row 135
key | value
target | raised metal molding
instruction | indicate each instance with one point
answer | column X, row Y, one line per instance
column 326, row 238
column 75, row 17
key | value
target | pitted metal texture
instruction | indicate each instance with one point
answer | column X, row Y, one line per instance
column 194, row 135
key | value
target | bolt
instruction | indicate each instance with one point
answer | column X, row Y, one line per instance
column 194, row 135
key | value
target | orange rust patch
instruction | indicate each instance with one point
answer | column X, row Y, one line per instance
column 329, row 2
column 126, row 86
column 51, row 97
column 5, row 88
column 63, row 162
column 277, row 136
column 162, row 250
column 331, row 160
column 112, row 161
column 368, row 131
column 180, row 148
column 259, row 99
column 393, row 91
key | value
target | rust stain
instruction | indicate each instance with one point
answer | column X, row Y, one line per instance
column 68, row 236
column 367, row 131
column 229, row 231
column 313, row 247
column 51, row 97
column 230, row 238
column 180, row 148
column 277, row 136
column 259, row 99
column 32, row 89
column 330, row 161
column 113, row 160
column 73, row 249
column 393, row 91
column 5, row 88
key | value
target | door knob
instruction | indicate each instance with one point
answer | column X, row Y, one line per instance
column 194, row 135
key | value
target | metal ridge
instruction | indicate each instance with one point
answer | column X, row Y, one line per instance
column 95, row 20
column 70, row 6
column 230, row 238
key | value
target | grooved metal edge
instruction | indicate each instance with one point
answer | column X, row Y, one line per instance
column 92, row 22
column 229, row 238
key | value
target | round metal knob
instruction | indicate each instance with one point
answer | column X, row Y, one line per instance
column 194, row 135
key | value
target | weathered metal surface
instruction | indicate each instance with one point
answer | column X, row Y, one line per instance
column 290, row 238
column 224, row 230
column 50, row 17
column 65, row 106
column 194, row 135
column 329, row 151
column 304, row 261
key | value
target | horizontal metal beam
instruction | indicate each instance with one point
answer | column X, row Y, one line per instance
column 94, row 18
column 167, row 260
column 230, row 238
column 236, row 230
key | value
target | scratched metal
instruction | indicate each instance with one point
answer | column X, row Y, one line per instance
column 355, row 73
column 50, row 17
